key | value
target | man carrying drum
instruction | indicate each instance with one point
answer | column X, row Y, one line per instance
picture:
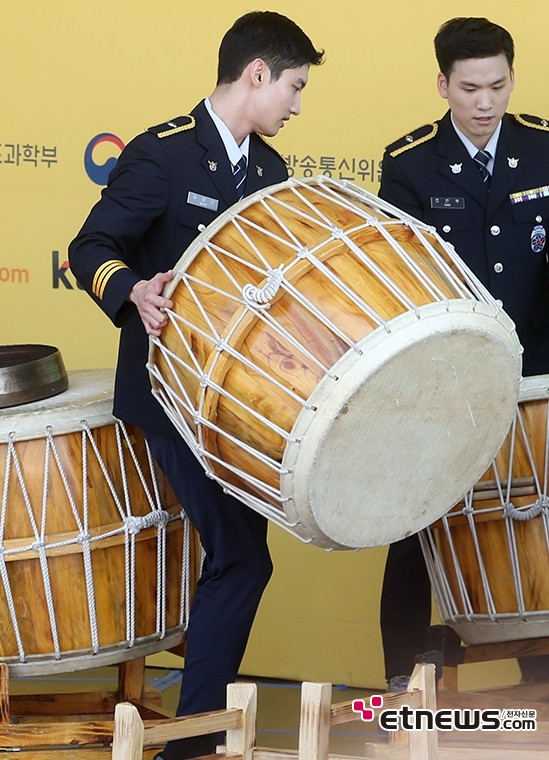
column 168, row 185
column 481, row 177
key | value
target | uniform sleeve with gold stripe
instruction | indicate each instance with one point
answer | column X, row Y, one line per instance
column 106, row 256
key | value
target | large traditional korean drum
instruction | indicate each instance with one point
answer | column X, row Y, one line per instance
column 333, row 364
column 97, row 560
column 488, row 558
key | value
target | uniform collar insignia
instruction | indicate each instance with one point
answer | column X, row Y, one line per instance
column 513, row 162
column 212, row 165
column 259, row 170
column 456, row 168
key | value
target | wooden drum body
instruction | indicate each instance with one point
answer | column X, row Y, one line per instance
column 97, row 563
column 327, row 360
column 488, row 558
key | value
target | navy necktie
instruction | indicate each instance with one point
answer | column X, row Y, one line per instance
column 239, row 174
column 482, row 157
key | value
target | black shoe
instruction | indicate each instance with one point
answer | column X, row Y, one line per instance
column 398, row 683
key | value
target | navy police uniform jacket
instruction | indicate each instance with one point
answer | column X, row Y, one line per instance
column 500, row 232
column 169, row 183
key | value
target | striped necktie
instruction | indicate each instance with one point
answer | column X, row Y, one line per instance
column 482, row 157
column 239, row 174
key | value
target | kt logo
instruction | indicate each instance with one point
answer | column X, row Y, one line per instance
column 59, row 274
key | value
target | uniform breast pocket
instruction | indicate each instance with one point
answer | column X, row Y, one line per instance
column 198, row 213
column 449, row 223
column 530, row 219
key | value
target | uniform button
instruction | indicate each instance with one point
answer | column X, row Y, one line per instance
column 538, row 218
column 499, row 303
column 446, row 228
column 498, row 267
column 495, row 230
column 201, row 227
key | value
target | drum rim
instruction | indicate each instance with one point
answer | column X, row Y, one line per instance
column 85, row 659
column 31, row 421
column 534, row 388
column 306, row 422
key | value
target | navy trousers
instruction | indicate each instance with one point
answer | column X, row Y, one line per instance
column 405, row 607
column 235, row 572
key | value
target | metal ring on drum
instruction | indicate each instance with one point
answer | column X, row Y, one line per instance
column 97, row 560
column 488, row 557
column 334, row 365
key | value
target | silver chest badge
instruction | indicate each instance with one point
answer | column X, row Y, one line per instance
column 259, row 170
column 456, row 168
column 538, row 238
column 513, row 162
column 212, row 166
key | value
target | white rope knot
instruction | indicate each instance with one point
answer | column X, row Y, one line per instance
column 83, row 538
column 523, row 515
column 260, row 297
column 135, row 524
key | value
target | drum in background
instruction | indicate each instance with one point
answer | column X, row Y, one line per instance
column 97, row 561
column 331, row 361
column 488, row 558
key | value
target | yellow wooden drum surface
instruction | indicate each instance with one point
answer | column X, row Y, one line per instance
column 488, row 557
column 330, row 360
column 97, row 563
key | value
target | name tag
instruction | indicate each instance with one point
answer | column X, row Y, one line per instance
column 194, row 199
column 447, row 203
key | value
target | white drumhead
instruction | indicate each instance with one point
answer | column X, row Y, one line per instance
column 88, row 397
column 407, row 428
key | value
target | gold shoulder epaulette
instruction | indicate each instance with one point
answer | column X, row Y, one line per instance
column 172, row 127
column 532, row 121
column 413, row 139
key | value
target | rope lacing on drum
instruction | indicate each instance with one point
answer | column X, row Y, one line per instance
column 11, row 455
column 522, row 515
column 137, row 523
column 185, row 602
column 132, row 525
column 260, row 297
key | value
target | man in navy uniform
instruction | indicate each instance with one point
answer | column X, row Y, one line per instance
column 169, row 183
column 481, row 177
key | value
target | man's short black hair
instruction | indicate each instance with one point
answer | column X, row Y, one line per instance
column 462, row 38
column 280, row 42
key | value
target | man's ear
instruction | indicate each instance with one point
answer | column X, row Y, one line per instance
column 442, row 85
column 258, row 71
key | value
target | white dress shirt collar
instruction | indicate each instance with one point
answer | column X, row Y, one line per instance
column 234, row 151
column 491, row 145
